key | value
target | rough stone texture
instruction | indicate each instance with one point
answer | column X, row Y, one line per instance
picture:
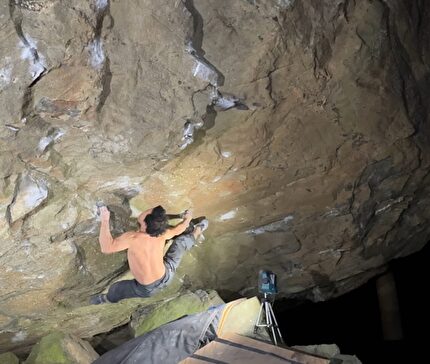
column 84, row 322
column 149, row 318
column 59, row 348
column 150, row 314
column 323, row 176
column 9, row 358
column 330, row 351
column 241, row 320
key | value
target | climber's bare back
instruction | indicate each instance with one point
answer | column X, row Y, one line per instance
column 145, row 256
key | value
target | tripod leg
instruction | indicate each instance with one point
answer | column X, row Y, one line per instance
column 271, row 324
column 257, row 323
column 276, row 325
column 267, row 314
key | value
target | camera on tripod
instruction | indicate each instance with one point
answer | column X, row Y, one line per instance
column 266, row 317
column 267, row 282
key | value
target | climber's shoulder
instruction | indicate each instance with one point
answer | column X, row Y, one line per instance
column 140, row 237
column 127, row 237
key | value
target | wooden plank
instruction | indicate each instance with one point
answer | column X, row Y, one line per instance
column 233, row 348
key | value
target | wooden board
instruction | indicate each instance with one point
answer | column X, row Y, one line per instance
column 233, row 348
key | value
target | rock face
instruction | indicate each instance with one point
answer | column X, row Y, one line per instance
column 330, row 351
column 8, row 358
column 189, row 303
column 300, row 129
column 62, row 348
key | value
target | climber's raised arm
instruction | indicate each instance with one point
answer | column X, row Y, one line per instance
column 180, row 228
column 107, row 243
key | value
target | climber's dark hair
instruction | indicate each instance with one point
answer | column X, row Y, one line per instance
column 156, row 222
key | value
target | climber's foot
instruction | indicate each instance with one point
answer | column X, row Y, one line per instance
column 192, row 224
column 201, row 226
column 99, row 299
column 199, row 220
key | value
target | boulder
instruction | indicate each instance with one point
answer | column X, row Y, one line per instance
column 241, row 319
column 60, row 348
column 330, row 351
column 150, row 318
column 8, row 358
column 85, row 321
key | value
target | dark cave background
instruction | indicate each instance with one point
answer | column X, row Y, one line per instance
column 352, row 321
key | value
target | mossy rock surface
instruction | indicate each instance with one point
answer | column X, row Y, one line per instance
column 60, row 348
column 49, row 350
column 186, row 304
column 9, row 358
column 86, row 321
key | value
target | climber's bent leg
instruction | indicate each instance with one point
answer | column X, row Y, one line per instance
column 174, row 254
column 129, row 289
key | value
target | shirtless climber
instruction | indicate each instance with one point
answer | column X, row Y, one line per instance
column 152, row 271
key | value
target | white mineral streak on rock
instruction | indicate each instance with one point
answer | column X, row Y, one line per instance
column 216, row 179
column 58, row 133
column 335, row 252
column 43, row 143
column 30, row 53
column 67, row 247
column 332, row 212
column 205, row 72
column 26, row 246
column 31, row 193
column 135, row 212
column 91, row 229
column 5, row 76
column 274, row 226
column 228, row 215
column 226, row 154
column 34, row 195
column 101, row 4
column 288, row 218
column 188, row 134
column 285, row 4
column 12, row 127
column 97, row 56
column 389, row 204
column 19, row 336
column 48, row 140
column 318, row 296
column 225, row 102
column 202, row 69
column 122, row 182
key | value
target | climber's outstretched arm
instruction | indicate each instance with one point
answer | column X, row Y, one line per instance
column 107, row 243
column 180, row 228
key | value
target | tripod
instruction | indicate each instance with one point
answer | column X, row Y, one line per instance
column 270, row 321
